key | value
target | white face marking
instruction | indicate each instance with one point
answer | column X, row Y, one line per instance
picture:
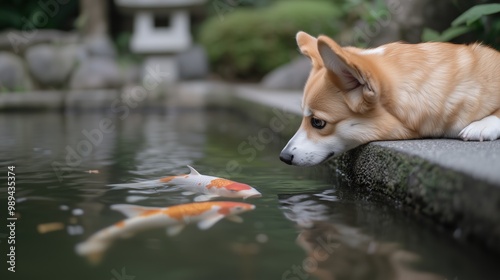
column 307, row 152
column 307, row 112
column 379, row 50
column 303, row 151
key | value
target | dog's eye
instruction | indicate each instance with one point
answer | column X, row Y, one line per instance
column 317, row 123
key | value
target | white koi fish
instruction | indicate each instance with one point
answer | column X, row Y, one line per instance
column 209, row 186
column 174, row 218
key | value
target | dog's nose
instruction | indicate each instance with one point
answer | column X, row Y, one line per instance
column 286, row 158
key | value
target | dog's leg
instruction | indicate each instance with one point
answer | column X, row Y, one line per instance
column 487, row 129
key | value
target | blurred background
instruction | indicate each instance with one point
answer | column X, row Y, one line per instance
column 97, row 60
column 93, row 44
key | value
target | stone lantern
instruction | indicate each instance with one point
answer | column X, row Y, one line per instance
column 161, row 29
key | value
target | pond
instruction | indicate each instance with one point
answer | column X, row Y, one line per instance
column 305, row 225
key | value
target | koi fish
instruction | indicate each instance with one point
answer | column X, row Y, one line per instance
column 174, row 218
column 192, row 183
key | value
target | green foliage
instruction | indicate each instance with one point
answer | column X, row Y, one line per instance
column 447, row 35
column 475, row 13
column 483, row 19
column 250, row 42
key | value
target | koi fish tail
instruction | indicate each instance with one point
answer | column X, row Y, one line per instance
column 93, row 250
column 138, row 185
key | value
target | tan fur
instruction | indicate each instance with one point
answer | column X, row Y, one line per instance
column 397, row 91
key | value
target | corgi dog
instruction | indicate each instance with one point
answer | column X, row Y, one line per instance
column 396, row 91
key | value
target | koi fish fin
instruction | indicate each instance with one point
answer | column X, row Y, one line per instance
column 175, row 229
column 150, row 191
column 205, row 197
column 131, row 211
column 234, row 218
column 209, row 222
column 138, row 185
column 193, row 171
column 188, row 193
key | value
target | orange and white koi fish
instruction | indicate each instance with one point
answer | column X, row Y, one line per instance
column 174, row 218
column 194, row 182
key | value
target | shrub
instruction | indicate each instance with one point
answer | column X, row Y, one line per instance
column 481, row 20
column 248, row 42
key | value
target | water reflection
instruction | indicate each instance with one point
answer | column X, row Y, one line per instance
column 336, row 250
column 179, row 140
column 74, row 144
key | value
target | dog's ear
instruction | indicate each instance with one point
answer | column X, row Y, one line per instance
column 308, row 46
column 350, row 73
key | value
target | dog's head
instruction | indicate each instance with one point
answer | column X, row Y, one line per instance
column 340, row 102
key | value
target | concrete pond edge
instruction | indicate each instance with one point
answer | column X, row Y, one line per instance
column 464, row 206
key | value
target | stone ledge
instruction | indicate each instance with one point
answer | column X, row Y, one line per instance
column 91, row 99
column 41, row 100
column 465, row 204
column 479, row 160
column 132, row 97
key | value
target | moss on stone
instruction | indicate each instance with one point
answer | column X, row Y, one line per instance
column 468, row 206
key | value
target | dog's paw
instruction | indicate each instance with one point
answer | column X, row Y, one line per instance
column 487, row 129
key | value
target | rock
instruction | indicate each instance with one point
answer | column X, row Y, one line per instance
column 389, row 34
column 193, row 64
column 292, row 75
column 96, row 73
column 13, row 75
column 18, row 41
column 159, row 69
column 51, row 65
column 100, row 46
column 407, row 19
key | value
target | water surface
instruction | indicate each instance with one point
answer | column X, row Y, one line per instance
column 304, row 226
